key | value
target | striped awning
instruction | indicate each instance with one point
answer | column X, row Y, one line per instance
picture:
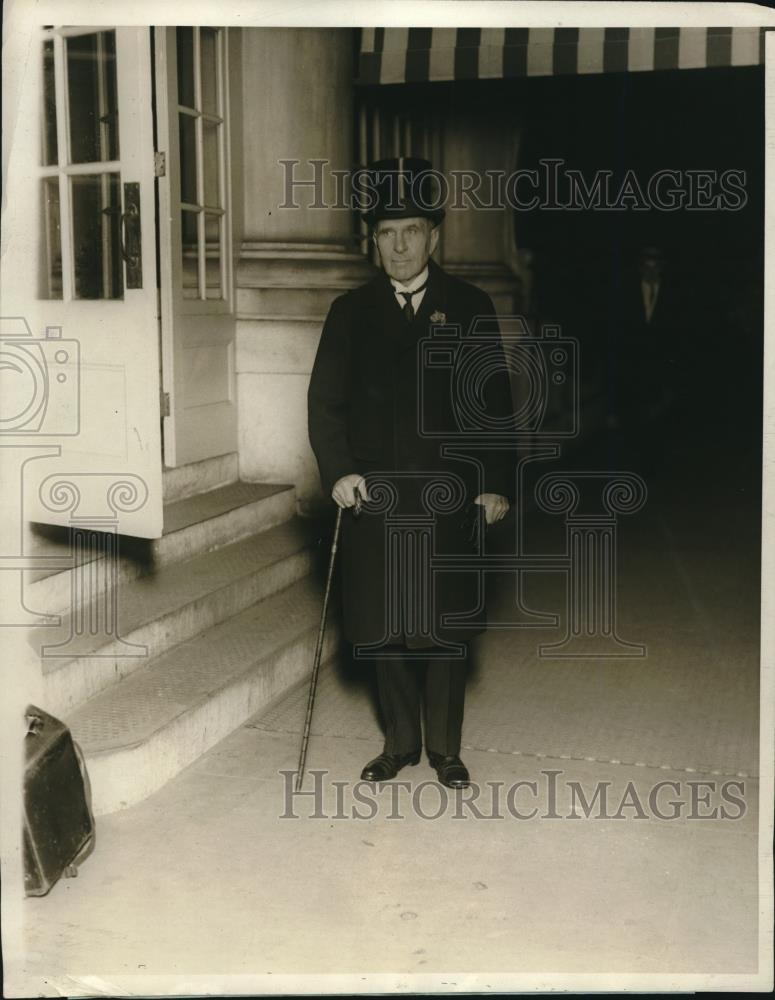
column 416, row 55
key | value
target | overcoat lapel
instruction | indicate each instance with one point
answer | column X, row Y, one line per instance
column 386, row 320
column 389, row 319
column 382, row 322
column 434, row 300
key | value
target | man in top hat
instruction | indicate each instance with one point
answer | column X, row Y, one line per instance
column 650, row 353
column 378, row 414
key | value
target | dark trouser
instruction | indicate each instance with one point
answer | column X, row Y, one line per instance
column 400, row 701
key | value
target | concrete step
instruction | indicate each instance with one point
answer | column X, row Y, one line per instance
column 160, row 610
column 198, row 477
column 210, row 520
column 140, row 733
column 192, row 526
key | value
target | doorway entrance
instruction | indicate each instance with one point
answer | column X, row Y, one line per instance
column 92, row 272
column 195, row 241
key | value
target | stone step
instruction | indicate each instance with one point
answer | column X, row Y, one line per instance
column 198, row 477
column 193, row 525
column 210, row 520
column 140, row 733
column 160, row 610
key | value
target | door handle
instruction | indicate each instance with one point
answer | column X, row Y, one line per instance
column 131, row 236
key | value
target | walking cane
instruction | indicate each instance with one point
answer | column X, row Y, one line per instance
column 313, row 682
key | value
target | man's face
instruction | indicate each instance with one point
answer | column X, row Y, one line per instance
column 405, row 245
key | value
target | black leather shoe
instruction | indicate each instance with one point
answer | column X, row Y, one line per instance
column 451, row 770
column 387, row 765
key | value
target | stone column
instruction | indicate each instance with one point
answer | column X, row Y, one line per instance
column 297, row 106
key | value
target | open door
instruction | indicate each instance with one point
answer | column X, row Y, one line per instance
column 197, row 306
column 80, row 351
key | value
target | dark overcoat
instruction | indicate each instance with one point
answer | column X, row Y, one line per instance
column 382, row 404
column 649, row 356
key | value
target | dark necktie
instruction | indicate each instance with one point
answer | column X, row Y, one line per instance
column 407, row 297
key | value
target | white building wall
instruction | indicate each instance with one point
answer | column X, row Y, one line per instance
column 297, row 105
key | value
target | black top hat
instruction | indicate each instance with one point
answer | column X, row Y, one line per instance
column 403, row 187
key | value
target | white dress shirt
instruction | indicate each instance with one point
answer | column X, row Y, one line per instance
column 417, row 282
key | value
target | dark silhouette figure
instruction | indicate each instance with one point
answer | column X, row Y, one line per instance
column 649, row 340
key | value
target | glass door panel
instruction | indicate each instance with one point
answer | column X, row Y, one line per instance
column 92, row 97
column 79, row 270
column 49, row 117
column 97, row 258
column 202, row 152
column 50, row 241
column 198, row 326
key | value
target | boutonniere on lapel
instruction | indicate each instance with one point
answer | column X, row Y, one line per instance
column 438, row 317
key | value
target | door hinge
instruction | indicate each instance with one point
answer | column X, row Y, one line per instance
column 165, row 404
column 160, row 164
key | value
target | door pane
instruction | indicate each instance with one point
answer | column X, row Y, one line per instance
column 50, row 148
column 185, row 38
column 201, row 139
column 212, row 184
column 188, row 159
column 213, row 228
column 189, row 229
column 208, row 41
column 97, row 261
column 50, row 283
column 92, row 97
column 189, row 254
